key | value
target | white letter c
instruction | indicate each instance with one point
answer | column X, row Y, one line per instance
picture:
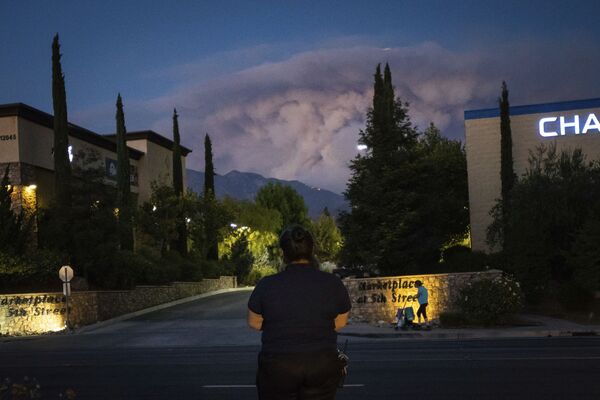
column 543, row 122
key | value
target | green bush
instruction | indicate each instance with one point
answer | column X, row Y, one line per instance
column 461, row 259
column 574, row 297
column 214, row 269
column 121, row 270
column 13, row 270
column 449, row 319
column 36, row 271
column 489, row 301
column 258, row 272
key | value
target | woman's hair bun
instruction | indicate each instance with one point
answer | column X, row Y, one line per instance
column 298, row 234
column 297, row 244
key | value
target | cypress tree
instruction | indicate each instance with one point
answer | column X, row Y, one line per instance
column 209, row 170
column 212, row 247
column 376, row 116
column 123, row 181
column 177, row 169
column 507, row 174
column 380, row 188
column 181, row 242
column 62, row 165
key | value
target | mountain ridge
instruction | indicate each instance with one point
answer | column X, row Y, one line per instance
column 244, row 186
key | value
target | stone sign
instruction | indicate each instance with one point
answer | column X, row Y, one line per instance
column 33, row 312
column 378, row 299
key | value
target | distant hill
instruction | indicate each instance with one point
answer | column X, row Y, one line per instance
column 245, row 185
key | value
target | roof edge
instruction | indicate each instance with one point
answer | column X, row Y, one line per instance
column 535, row 108
column 43, row 118
column 153, row 137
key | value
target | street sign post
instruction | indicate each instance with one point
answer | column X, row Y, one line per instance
column 65, row 273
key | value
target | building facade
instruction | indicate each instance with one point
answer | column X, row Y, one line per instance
column 26, row 147
column 569, row 125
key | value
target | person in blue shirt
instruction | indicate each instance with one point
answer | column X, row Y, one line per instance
column 299, row 312
column 423, row 298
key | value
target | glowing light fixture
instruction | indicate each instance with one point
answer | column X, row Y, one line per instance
column 32, row 187
column 153, row 208
column 70, row 149
column 362, row 147
column 233, row 225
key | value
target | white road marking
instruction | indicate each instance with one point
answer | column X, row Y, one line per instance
column 227, row 386
column 477, row 358
column 253, row 386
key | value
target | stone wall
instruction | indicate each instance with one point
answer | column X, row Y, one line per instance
column 377, row 299
column 34, row 313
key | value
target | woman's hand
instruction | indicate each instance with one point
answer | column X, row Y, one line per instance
column 341, row 320
column 255, row 320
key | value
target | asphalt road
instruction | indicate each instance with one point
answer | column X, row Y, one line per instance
column 202, row 350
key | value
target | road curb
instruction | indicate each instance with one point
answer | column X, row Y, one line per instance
column 471, row 335
column 101, row 324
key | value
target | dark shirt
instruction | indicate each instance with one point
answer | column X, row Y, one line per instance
column 299, row 306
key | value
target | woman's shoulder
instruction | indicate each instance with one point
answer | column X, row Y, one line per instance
column 266, row 280
column 329, row 277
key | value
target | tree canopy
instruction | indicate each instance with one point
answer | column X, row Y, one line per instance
column 286, row 201
column 554, row 212
column 407, row 191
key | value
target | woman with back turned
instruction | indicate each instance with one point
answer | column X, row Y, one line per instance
column 299, row 311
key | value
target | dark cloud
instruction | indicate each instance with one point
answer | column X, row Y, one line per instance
column 299, row 118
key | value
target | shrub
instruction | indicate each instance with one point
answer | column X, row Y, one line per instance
column 574, row 297
column 191, row 270
column 121, row 270
column 37, row 271
column 214, row 269
column 170, row 267
column 461, row 259
column 327, row 266
column 488, row 301
column 449, row 319
column 258, row 272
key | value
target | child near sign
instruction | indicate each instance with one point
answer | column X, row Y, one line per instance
column 423, row 298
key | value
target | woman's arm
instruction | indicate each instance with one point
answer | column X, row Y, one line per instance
column 341, row 320
column 255, row 320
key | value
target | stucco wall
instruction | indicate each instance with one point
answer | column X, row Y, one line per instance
column 378, row 299
column 34, row 313
column 155, row 166
column 9, row 140
column 483, row 158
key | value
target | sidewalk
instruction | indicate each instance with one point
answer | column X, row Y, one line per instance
column 538, row 326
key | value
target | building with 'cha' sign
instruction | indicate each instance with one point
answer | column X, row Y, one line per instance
column 568, row 125
column 26, row 147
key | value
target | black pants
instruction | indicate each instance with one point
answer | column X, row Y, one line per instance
column 302, row 376
column 422, row 311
